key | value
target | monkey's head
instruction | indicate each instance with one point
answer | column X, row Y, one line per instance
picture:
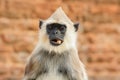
column 57, row 33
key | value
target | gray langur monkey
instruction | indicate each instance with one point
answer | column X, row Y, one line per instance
column 55, row 56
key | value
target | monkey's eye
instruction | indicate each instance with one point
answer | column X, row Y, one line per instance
column 62, row 28
column 49, row 27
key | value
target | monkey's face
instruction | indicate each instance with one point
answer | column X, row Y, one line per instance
column 57, row 36
column 56, row 33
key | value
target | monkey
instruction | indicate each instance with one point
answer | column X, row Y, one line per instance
column 55, row 56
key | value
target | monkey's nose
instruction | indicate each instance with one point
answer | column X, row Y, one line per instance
column 56, row 32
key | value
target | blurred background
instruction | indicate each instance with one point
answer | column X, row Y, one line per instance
column 98, row 37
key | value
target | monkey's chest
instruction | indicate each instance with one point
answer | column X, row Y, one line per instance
column 55, row 68
column 52, row 75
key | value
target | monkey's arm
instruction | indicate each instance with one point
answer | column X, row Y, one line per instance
column 78, row 66
column 32, row 69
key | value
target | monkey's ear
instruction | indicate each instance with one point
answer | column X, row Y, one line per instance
column 76, row 25
column 40, row 23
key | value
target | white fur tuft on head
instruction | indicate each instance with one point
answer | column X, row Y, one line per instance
column 60, row 16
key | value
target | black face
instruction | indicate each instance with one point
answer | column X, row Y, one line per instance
column 56, row 33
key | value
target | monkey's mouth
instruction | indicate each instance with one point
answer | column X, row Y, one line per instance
column 56, row 42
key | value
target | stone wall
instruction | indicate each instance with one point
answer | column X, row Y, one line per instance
column 98, row 37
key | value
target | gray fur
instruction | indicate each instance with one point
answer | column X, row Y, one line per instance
column 43, row 59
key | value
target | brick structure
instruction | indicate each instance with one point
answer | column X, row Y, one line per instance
column 98, row 37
